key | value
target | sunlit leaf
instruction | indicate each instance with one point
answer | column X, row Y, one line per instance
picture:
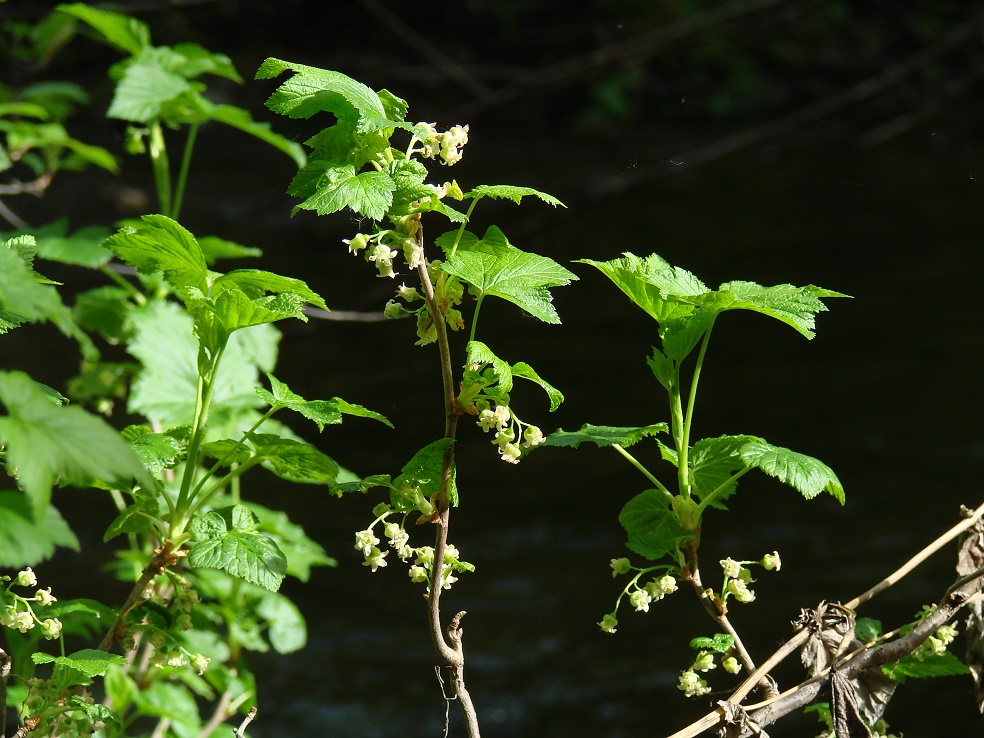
column 26, row 540
column 807, row 475
column 604, row 435
column 227, row 539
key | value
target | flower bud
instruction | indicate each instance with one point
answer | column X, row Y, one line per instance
column 608, row 623
column 731, row 665
column 771, row 561
column 704, row 662
column 620, row 566
column 199, row 663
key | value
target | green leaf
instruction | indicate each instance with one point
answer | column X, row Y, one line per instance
column 493, row 266
column 348, row 408
column 663, row 367
column 867, row 629
column 713, row 461
column 807, row 475
column 24, row 299
column 423, row 473
column 162, row 244
column 340, row 187
column 652, row 284
column 126, row 33
column 157, row 451
column 175, row 703
column 227, row 539
column 321, row 412
column 48, row 443
column 604, row 435
column 512, row 192
column 525, row 371
column 166, row 387
column 232, row 310
column 89, row 661
column 479, row 354
column 909, row 667
column 25, row 540
column 288, row 631
column 144, row 91
column 83, row 247
column 720, row 643
column 795, row 306
column 136, row 518
column 241, row 119
column 215, row 248
column 256, row 283
column 312, row 90
column 294, row 461
column 654, row 529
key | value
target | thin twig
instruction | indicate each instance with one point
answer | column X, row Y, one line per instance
column 810, row 688
column 246, row 721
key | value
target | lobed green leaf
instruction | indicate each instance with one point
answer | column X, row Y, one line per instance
column 126, row 33
column 88, row 661
column 161, row 244
column 807, row 475
column 604, row 435
column 512, row 192
column 493, row 266
column 227, row 539
column 25, row 539
column 653, row 527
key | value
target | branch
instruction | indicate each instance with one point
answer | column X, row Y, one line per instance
column 809, row 689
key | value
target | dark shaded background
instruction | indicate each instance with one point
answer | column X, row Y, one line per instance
column 802, row 141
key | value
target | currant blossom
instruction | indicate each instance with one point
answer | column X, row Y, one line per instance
column 502, row 416
column 640, row 600
column 732, row 568
column 418, row 574
column 731, row 665
column 382, row 255
column 21, row 621
column 26, row 578
column 741, row 591
column 199, row 663
column 620, row 566
column 772, row 562
column 704, row 662
column 692, row 685
column 946, row 634
column 510, row 453
column 532, row 436
column 374, row 559
column 51, row 628
column 486, row 420
column 608, row 623
column 44, row 596
column 365, row 540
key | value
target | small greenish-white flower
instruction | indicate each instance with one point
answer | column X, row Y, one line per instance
column 640, row 600
column 732, row 569
column 156, row 639
column 425, row 556
column 356, row 243
column 620, row 566
column 454, row 319
column 183, row 621
column 199, row 662
column 447, row 578
column 731, row 665
column 408, row 294
column 175, row 659
column 946, row 634
column 392, row 310
column 375, row 559
column 608, row 623
column 740, row 590
column 502, row 416
column 504, row 436
column 51, row 628
column 704, row 662
column 413, row 253
column 365, row 541
column 510, row 453
column 382, row 256
column 692, row 685
column 21, row 621
column 667, row 584
column 532, row 436
column 451, row 553
column 26, row 578
column 44, row 597
column 451, row 144
column 397, row 536
column 418, row 574
column 486, row 420
column 772, row 562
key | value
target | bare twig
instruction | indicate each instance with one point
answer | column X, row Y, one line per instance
column 956, row 596
column 11, row 217
column 246, row 721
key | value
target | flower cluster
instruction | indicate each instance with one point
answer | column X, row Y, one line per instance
column 177, row 594
column 692, row 685
column 737, row 576
column 18, row 611
column 509, row 429
column 422, row 566
column 936, row 644
column 446, row 145
column 640, row 596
